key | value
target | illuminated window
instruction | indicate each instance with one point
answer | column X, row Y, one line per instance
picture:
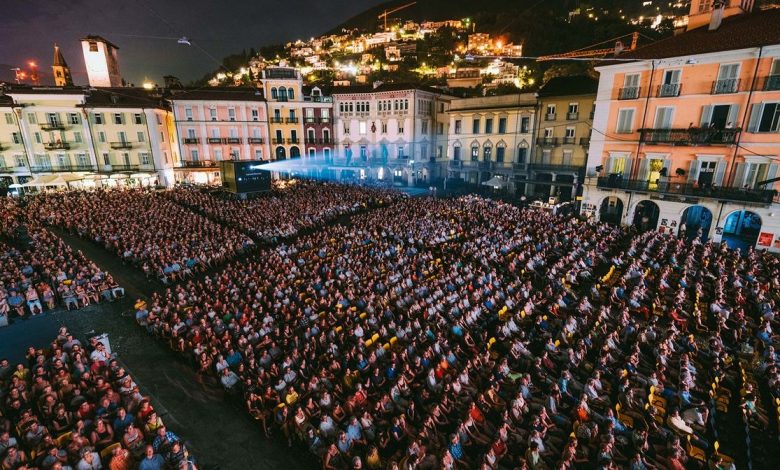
column 93, row 47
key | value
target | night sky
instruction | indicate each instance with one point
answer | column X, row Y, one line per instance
column 29, row 28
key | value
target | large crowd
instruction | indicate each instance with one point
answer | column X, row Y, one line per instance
column 39, row 272
column 147, row 230
column 73, row 406
column 456, row 333
column 472, row 334
column 292, row 206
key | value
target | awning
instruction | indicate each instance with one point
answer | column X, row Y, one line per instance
column 42, row 180
column 15, row 186
column 119, row 176
column 495, row 182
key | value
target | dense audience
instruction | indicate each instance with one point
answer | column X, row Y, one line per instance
column 292, row 206
column 73, row 406
column 145, row 229
column 39, row 272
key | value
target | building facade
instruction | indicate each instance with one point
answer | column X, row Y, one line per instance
column 490, row 140
column 687, row 136
column 215, row 124
column 390, row 132
column 318, row 123
column 564, row 120
column 283, row 89
column 57, row 136
column 101, row 58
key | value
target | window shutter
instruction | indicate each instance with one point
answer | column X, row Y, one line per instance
column 733, row 115
column 706, row 115
column 720, row 170
column 693, row 171
column 771, row 173
column 610, row 165
column 739, row 175
column 629, row 168
column 755, row 117
column 644, row 170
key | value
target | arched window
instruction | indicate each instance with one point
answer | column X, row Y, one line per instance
column 291, row 93
column 474, row 152
column 283, row 93
column 274, row 93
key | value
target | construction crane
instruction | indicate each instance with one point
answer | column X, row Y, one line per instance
column 585, row 52
column 383, row 16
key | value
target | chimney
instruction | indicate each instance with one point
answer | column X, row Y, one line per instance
column 716, row 17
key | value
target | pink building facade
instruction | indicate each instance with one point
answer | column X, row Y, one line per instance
column 686, row 137
column 216, row 124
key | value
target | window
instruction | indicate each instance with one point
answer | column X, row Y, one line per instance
column 73, row 118
column 291, row 94
column 362, row 127
column 522, row 155
column 102, row 137
column 546, row 156
column 663, row 117
column 38, row 138
column 625, row 121
column 121, row 136
column 548, row 132
column 283, row 94
column 310, row 135
column 456, row 153
column 671, row 83
column 77, row 137
column 488, row 126
column 500, row 154
column 425, row 126
column 274, row 93
column 525, row 124
column 551, row 112
column 98, row 117
column 9, row 118
column 728, row 79
column 215, row 133
column 384, row 128
column 400, row 151
column 326, row 134
column 574, row 108
column 190, row 133
column 145, row 159
column 567, row 156
column 630, row 90
column 326, row 153
column 82, row 160
column 475, row 126
column 137, row 118
column 213, row 114
column 118, row 118
column 159, row 120
column 31, row 118
column 765, row 117
column 400, row 127
column 440, row 128
column 255, row 115
column 93, row 47
column 363, row 152
column 20, row 161
column 232, row 114
column 502, row 125
column 188, row 113
column 217, row 154
column 107, row 158
column 294, row 135
column 457, row 126
column 194, row 154
column 17, row 137
column 258, row 154
column 233, row 133
column 474, row 153
column 141, row 137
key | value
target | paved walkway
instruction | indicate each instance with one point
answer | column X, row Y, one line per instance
column 218, row 431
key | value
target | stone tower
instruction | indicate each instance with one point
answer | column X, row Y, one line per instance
column 60, row 69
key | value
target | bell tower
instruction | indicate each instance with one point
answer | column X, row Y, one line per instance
column 60, row 69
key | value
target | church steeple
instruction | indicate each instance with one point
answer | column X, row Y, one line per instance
column 60, row 69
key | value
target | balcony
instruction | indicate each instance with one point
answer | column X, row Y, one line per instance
column 233, row 140
column 772, row 83
column 689, row 137
column 310, row 119
column 293, row 140
column 191, row 140
column 52, row 126
column 56, row 146
column 725, row 86
column 291, row 120
column 669, row 90
column 585, row 141
column 326, row 141
column 629, row 93
column 214, row 140
column 196, row 164
column 121, row 145
column 572, row 116
column 557, row 167
column 547, row 141
column 324, row 120
column 730, row 194
column 549, row 117
column 255, row 140
column 569, row 140
column 61, row 168
column 277, row 120
column 277, row 141
column 114, row 167
column 310, row 141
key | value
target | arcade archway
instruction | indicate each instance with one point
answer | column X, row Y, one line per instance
column 741, row 229
column 696, row 221
column 646, row 215
column 611, row 210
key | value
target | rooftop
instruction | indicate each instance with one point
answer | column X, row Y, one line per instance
column 123, row 97
column 759, row 28
column 218, row 94
column 95, row 37
column 383, row 88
